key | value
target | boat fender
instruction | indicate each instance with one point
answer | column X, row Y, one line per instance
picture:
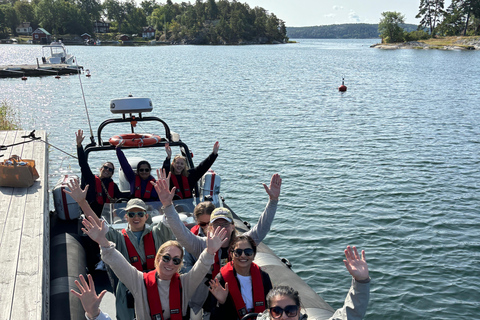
column 65, row 206
column 342, row 88
column 135, row 139
column 286, row 262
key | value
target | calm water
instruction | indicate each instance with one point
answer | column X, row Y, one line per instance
column 391, row 166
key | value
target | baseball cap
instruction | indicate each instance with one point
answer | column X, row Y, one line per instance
column 136, row 203
column 221, row 213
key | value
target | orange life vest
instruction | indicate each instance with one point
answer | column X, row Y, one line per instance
column 153, row 296
column 186, row 187
column 99, row 190
column 228, row 275
column 149, row 247
column 195, row 229
column 138, row 188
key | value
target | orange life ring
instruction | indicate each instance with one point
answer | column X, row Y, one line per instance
column 135, row 139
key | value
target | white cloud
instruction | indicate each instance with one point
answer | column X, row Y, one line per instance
column 354, row 16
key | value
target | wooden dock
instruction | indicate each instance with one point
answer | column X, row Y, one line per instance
column 38, row 70
column 24, row 236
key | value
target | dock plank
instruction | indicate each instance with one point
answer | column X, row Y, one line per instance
column 24, row 240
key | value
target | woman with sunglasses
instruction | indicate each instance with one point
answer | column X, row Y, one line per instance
column 161, row 293
column 284, row 302
column 140, row 186
column 138, row 243
column 103, row 189
column 184, row 179
column 241, row 286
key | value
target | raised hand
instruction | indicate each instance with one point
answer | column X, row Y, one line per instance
column 88, row 296
column 168, row 150
column 216, row 239
column 120, row 144
column 218, row 291
column 356, row 265
column 216, row 146
column 273, row 190
column 76, row 191
column 79, row 137
column 161, row 186
column 96, row 231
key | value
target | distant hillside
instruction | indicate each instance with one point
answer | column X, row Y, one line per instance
column 340, row 31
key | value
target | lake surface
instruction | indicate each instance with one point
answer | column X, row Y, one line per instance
column 391, row 166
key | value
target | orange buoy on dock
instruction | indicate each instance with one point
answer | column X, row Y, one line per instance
column 342, row 88
column 135, row 139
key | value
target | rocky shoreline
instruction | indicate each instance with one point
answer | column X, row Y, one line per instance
column 461, row 43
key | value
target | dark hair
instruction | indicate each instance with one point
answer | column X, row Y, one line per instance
column 243, row 238
column 113, row 166
column 143, row 162
column 283, row 291
column 205, row 207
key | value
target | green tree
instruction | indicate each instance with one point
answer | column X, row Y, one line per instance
column 10, row 20
column 469, row 8
column 430, row 11
column 115, row 11
column 389, row 27
column 25, row 11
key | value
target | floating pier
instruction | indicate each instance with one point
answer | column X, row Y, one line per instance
column 24, row 235
column 38, row 70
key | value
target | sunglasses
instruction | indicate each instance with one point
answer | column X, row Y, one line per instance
column 176, row 261
column 238, row 252
column 203, row 224
column 290, row 311
column 108, row 168
column 144, row 170
column 139, row 214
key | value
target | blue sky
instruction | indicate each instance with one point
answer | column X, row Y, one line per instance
column 301, row 13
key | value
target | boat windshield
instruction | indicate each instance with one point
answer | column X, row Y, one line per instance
column 115, row 214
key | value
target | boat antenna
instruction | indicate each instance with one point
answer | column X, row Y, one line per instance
column 92, row 138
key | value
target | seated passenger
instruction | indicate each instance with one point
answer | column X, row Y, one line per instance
column 241, row 286
column 138, row 243
column 184, row 179
column 162, row 293
column 140, row 186
column 284, row 302
column 103, row 189
column 220, row 217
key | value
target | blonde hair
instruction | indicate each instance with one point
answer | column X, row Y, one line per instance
column 185, row 170
column 163, row 248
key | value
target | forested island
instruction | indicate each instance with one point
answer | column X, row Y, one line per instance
column 203, row 22
column 341, row 31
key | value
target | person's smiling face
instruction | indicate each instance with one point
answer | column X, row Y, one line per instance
column 144, row 171
column 179, row 165
column 106, row 171
column 242, row 261
column 166, row 270
column 137, row 223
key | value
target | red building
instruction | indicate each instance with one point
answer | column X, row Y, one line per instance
column 41, row 36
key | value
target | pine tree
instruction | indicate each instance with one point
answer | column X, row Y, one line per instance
column 430, row 12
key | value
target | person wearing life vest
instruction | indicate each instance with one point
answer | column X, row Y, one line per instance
column 140, row 186
column 138, row 243
column 241, row 286
column 183, row 179
column 219, row 217
column 283, row 302
column 201, row 213
column 101, row 184
column 162, row 293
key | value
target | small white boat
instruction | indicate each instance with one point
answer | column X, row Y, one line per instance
column 56, row 53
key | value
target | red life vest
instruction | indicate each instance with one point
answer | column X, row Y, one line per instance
column 99, row 190
column 149, row 247
column 228, row 275
column 154, row 297
column 195, row 229
column 138, row 188
column 186, row 187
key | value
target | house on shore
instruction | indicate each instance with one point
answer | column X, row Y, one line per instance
column 24, row 28
column 148, row 32
column 41, row 36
